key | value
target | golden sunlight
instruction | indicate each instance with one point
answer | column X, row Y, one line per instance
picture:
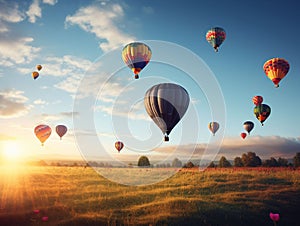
column 11, row 151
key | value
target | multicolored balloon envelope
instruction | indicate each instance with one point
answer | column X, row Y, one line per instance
column 61, row 130
column 262, row 112
column 166, row 104
column 136, row 56
column 216, row 36
column 42, row 132
column 119, row 145
column 276, row 69
column 248, row 126
column 257, row 100
column 213, row 127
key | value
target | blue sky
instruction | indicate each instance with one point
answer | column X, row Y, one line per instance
column 70, row 39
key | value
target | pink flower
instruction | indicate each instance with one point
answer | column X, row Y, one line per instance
column 36, row 211
column 45, row 218
column 274, row 216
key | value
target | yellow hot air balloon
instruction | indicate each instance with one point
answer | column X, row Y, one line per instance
column 42, row 132
column 35, row 75
column 276, row 69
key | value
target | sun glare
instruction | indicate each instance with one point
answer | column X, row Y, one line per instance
column 11, row 151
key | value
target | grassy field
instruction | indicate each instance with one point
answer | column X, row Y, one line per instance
column 78, row 196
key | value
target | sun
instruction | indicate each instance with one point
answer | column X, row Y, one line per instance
column 11, row 150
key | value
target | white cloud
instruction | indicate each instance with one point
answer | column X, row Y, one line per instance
column 12, row 103
column 16, row 50
column 9, row 13
column 34, row 11
column 50, row 2
column 39, row 102
column 103, row 22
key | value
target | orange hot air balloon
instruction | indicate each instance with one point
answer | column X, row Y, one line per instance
column 39, row 67
column 257, row 100
column 35, row 75
column 243, row 135
column 119, row 145
column 42, row 132
column 61, row 130
column 276, row 69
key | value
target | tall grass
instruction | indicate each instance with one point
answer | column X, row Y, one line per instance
column 78, row 196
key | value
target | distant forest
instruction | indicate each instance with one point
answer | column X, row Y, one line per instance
column 249, row 159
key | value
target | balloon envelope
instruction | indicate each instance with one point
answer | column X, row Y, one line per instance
column 276, row 69
column 216, row 36
column 136, row 56
column 166, row 104
column 213, row 127
column 262, row 112
column 243, row 135
column 39, row 67
column 61, row 130
column 42, row 132
column 257, row 100
column 248, row 126
column 119, row 145
column 35, row 75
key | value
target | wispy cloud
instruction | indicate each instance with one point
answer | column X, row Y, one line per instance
column 39, row 102
column 9, row 13
column 13, row 103
column 58, row 116
column 4, row 137
column 34, row 11
column 148, row 10
column 16, row 50
column 102, row 20
column 50, row 2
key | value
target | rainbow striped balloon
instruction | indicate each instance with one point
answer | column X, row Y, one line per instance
column 216, row 36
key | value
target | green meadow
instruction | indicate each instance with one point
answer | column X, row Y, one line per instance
column 80, row 196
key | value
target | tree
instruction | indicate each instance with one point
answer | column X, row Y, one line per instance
column 211, row 165
column 272, row 162
column 176, row 163
column 282, row 162
column 189, row 165
column 223, row 162
column 143, row 161
column 296, row 160
column 251, row 159
column 238, row 162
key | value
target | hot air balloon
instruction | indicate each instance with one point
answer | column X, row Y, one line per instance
column 257, row 100
column 243, row 135
column 213, row 127
column 262, row 112
column 216, row 36
column 136, row 56
column 248, row 126
column 42, row 132
column 39, row 67
column 166, row 103
column 61, row 130
column 35, row 75
column 119, row 145
column 276, row 69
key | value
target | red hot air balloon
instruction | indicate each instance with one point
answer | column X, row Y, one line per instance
column 61, row 130
column 42, row 132
column 119, row 145
column 243, row 135
column 257, row 100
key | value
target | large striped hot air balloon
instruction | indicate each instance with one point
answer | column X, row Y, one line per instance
column 213, row 127
column 136, row 56
column 42, row 132
column 119, row 145
column 216, row 36
column 166, row 103
column 276, row 69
